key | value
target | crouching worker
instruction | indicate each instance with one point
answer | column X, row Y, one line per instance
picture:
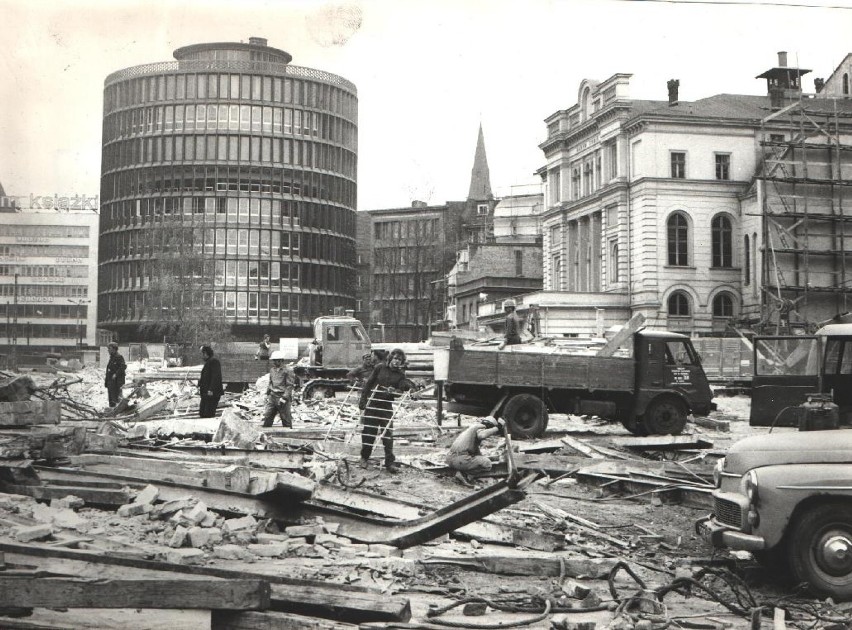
column 279, row 393
column 377, row 406
column 464, row 456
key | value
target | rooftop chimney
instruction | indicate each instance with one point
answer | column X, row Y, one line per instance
column 261, row 41
column 782, row 58
column 819, row 84
column 673, row 85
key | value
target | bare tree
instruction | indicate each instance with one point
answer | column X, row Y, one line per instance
column 178, row 304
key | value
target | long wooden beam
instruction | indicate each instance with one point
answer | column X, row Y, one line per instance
column 72, row 592
column 305, row 597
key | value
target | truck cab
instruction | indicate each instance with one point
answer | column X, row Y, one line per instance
column 670, row 381
column 787, row 369
column 341, row 341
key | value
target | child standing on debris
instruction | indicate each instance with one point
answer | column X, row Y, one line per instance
column 209, row 384
column 263, row 348
column 279, row 393
column 464, row 455
column 115, row 369
column 376, row 405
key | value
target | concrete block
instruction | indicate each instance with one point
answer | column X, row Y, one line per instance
column 232, row 552
column 267, row 550
column 184, row 556
column 247, row 522
column 196, row 513
column 148, row 494
column 169, row 508
column 134, row 509
column 179, row 537
column 69, row 519
column 71, row 502
column 265, row 538
column 209, row 520
column 385, row 551
column 330, row 541
column 304, row 530
column 32, row 532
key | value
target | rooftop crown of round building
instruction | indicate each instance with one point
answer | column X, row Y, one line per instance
column 256, row 50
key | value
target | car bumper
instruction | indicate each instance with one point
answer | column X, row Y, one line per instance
column 723, row 536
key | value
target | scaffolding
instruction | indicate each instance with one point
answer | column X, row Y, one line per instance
column 805, row 214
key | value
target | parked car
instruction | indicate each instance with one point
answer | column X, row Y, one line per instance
column 787, row 498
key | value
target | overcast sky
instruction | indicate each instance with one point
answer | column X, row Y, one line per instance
column 428, row 72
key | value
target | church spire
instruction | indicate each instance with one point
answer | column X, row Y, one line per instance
column 480, row 180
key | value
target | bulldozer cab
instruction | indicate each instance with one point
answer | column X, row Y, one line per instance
column 343, row 341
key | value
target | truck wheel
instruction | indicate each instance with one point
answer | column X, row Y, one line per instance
column 526, row 416
column 665, row 416
column 821, row 549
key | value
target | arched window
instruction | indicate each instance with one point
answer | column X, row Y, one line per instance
column 721, row 228
column 678, row 237
column 747, row 260
column 846, row 83
column 723, row 305
column 679, row 304
column 586, row 104
column 613, row 263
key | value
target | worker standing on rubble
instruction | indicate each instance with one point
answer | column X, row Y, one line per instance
column 263, row 349
column 209, row 384
column 115, row 369
column 279, row 393
column 376, row 405
column 464, row 455
column 513, row 325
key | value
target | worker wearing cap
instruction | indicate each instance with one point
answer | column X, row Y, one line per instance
column 464, row 455
column 368, row 363
column 376, row 404
column 115, row 369
column 279, row 393
column 513, row 325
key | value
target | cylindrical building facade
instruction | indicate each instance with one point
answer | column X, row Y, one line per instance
column 241, row 170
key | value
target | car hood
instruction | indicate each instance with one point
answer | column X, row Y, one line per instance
column 796, row 447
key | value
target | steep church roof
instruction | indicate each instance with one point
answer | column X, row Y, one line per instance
column 480, row 179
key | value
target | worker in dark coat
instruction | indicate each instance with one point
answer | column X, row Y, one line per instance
column 376, row 404
column 209, row 384
column 513, row 325
column 115, row 369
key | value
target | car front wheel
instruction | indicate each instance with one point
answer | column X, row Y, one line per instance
column 820, row 549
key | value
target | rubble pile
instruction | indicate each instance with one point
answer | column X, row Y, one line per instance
column 285, row 530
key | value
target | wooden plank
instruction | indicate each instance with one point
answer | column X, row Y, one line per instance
column 55, row 592
column 112, row 497
column 252, row 620
column 546, row 446
column 306, row 597
column 662, row 442
column 287, row 460
column 580, row 447
column 634, row 323
column 545, row 566
column 100, row 618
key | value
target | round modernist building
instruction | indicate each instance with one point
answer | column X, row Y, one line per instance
column 238, row 168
